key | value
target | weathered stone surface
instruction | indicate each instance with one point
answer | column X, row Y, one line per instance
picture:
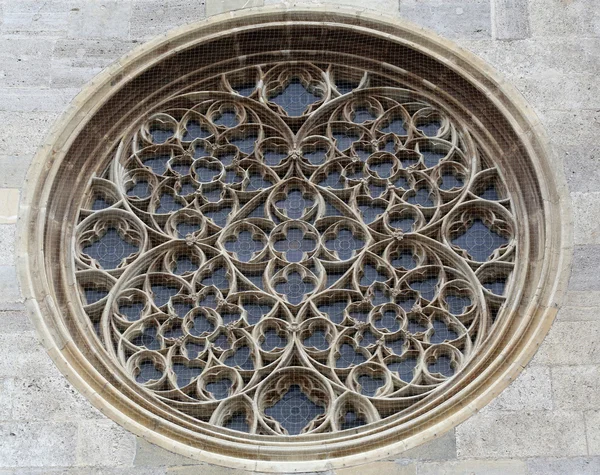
column 9, row 286
column 14, row 170
column 586, row 209
column 468, row 467
column 15, row 320
column 206, row 469
column 582, row 300
column 37, row 444
column 570, row 343
column 86, row 471
column 442, row 448
column 148, row 455
column 22, row 356
column 564, row 18
column 508, row 434
column 23, row 132
column 102, row 19
column 450, row 18
column 29, row 99
column 531, row 391
column 564, row 466
column 25, row 62
column 510, row 19
column 7, row 244
column 214, row 7
column 7, row 393
column 31, row 17
column 388, row 6
column 104, row 442
column 592, row 425
column 378, row 468
column 585, row 274
column 576, row 387
column 153, row 17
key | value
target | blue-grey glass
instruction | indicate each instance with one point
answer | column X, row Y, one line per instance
column 184, row 264
column 295, row 98
column 359, row 315
column 257, row 278
column 295, row 288
column 209, row 300
column 257, row 182
column 160, row 135
column 294, row 410
column 378, row 296
column 132, row 311
column 158, row 164
column 371, row 274
column 376, row 190
column 222, row 342
column 334, row 309
column 218, row 278
column 232, row 176
column 205, row 173
column 168, row 204
column 201, row 325
column 110, row 249
column 185, row 374
column 230, row 316
column 388, row 321
column 318, row 340
column 363, row 152
column 363, row 114
column 352, row 420
column 245, row 89
column 382, row 168
column 421, row 197
column 396, row 126
column 237, row 421
column 479, row 241
column 369, row 384
column 141, row 189
column 183, row 229
column 490, row 193
column 227, row 119
column 219, row 389
column 94, row 294
column 213, row 195
column 397, row 346
column 404, row 259
column 497, row 286
column 405, row 224
column 345, row 244
column 100, row 203
column 226, row 158
column 246, row 143
column 147, row 339
column 457, row 304
column 294, row 204
column 148, row 372
column 348, row 356
column 404, row 368
column 195, row 130
column 256, row 309
column 431, row 158
column 187, row 189
column 388, row 146
column 175, row 331
column 344, row 139
column 431, row 128
column 274, row 157
column 331, row 210
column 241, row 358
column 333, row 179
column 273, row 340
column 182, row 308
column 316, row 157
column 443, row 366
column 371, row 211
column 406, row 303
column 368, row 338
column 408, row 160
column 427, row 287
column 193, row 349
column 258, row 212
column 415, row 326
column 181, row 168
column 441, row 332
column 162, row 293
column 245, row 245
column 449, row 181
column 295, row 244
column 218, row 216
column 401, row 182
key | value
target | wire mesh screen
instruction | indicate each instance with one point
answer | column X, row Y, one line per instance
column 293, row 232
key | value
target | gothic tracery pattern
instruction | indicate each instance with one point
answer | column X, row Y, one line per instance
column 295, row 248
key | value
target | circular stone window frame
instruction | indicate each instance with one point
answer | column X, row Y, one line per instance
column 536, row 310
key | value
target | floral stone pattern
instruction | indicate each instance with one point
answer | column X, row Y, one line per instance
column 295, row 248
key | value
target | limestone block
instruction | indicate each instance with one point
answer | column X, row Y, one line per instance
column 508, row 434
column 36, row 99
column 586, row 209
column 100, row 19
column 579, row 314
column 9, row 286
column 450, row 18
column 592, row 424
column 15, row 320
column 24, row 132
column 25, row 62
column 577, row 299
column 37, row 444
column 464, row 467
column 85, row 471
column 576, row 387
column 563, row 466
column 7, row 393
column 586, row 268
column 575, row 18
column 387, row 6
column 510, row 19
column 154, row 17
column 7, row 244
column 50, row 398
column 531, row 391
column 570, row 343
column 22, row 356
column 206, row 469
column 14, row 169
column 214, row 7
column 378, row 468
column 441, row 448
column 104, row 443
column 148, row 455
column 9, row 205
column 31, row 17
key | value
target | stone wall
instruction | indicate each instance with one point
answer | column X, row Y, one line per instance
column 548, row 421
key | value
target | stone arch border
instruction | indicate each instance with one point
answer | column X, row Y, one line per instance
column 537, row 307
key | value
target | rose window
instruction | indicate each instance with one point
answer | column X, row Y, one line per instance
column 295, row 250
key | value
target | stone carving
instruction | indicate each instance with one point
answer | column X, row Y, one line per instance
column 295, row 248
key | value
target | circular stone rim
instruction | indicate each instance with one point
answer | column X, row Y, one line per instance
column 536, row 321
